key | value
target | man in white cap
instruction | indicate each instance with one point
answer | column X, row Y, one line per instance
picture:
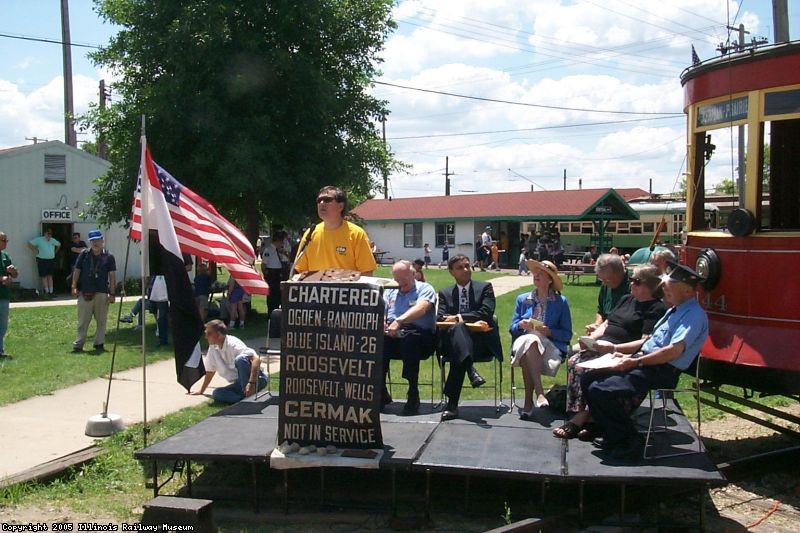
column 652, row 363
column 94, row 283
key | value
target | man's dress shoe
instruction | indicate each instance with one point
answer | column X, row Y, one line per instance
column 450, row 413
column 475, row 378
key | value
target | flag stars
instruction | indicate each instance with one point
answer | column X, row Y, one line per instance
column 171, row 188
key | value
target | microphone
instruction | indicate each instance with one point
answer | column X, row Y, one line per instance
column 301, row 252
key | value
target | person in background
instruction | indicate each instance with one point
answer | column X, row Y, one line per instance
column 612, row 274
column 76, row 246
column 272, row 268
column 590, row 255
column 427, row 254
column 7, row 273
column 335, row 242
column 523, row 263
column 234, row 361
column 445, row 254
column 419, row 275
column 236, row 310
column 202, row 289
column 95, row 273
column 661, row 258
column 46, row 248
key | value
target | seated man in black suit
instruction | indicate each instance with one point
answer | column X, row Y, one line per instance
column 466, row 302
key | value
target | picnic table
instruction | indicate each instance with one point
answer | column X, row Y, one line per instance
column 573, row 270
column 379, row 256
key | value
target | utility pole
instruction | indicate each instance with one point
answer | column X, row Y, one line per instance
column 447, row 175
column 69, row 111
column 780, row 20
column 101, row 138
column 385, row 174
column 565, row 179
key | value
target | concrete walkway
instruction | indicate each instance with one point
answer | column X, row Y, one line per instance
column 43, row 428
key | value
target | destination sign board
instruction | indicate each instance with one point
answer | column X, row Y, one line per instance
column 331, row 364
column 721, row 112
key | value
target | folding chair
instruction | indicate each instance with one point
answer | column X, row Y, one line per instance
column 665, row 394
column 566, row 357
column 420, row 384
column 497, row 370
column 423, row 384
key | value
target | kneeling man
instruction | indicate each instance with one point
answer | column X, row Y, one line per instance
column 410, row 329
column 233, row 360
column 654, row 363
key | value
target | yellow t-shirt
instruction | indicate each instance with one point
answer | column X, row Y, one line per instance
column 345, row 247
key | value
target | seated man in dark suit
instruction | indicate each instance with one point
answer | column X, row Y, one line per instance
column 410, row 332
column 464, row 303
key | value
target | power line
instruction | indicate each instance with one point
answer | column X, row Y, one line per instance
column 435, row 135
column 525, row 104
column 44, row 40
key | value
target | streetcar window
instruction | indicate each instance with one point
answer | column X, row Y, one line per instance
column 781, row 160
column 648, row 227
column 563, row 227
column 575, row 227
column 635, row 227
column 611, row 227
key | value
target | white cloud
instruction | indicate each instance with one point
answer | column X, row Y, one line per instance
column 40, row 113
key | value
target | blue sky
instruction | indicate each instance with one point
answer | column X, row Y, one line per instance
column 564, row 66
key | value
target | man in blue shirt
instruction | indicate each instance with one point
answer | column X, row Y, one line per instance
column 94, row 283
column 410, row 329
column 653, row 364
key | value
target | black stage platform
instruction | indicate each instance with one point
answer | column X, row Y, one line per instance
column 482, row 442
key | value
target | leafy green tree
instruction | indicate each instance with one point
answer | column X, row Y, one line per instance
column 253, row 104
column 725, row 186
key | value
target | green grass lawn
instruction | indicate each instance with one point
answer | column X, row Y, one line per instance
column 40, row 339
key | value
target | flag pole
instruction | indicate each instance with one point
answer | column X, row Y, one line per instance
column 145, row 243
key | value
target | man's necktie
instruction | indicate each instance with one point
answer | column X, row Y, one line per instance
column 463, row 304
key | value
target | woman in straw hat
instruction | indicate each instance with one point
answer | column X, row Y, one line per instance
column 541, row 330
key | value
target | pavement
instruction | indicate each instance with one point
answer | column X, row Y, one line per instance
column 44, row 428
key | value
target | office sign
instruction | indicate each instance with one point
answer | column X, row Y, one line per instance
column 56, row 215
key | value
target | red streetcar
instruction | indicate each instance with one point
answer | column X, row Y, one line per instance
column 752, row 266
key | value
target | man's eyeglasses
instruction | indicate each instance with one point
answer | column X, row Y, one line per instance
column 325, row 199
column 637, row 281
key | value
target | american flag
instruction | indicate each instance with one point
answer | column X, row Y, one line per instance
column 188, row 223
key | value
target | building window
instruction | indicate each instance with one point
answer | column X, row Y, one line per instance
column 445, row 233
column 412, row 233
column 55, row 168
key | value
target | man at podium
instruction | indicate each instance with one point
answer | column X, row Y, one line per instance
column 335, row 242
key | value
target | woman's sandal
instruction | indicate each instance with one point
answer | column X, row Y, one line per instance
column 589, row 432
column 569, row 430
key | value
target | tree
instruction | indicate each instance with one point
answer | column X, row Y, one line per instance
column 254, row 105
column 725, row 186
